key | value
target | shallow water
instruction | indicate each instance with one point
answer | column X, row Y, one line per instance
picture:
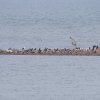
column 49, row 23
column 49, row 78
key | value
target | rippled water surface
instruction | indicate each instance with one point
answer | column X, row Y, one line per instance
column 49, row 78
column 49, row 23
column 41, row 23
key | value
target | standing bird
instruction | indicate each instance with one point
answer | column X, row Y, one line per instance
column 73, row 42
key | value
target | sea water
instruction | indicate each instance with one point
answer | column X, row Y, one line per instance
column 49, row 78
column 49, row 23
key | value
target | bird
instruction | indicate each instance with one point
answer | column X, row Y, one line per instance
column 73, row 41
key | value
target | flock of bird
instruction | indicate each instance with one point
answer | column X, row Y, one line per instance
column 46, row 51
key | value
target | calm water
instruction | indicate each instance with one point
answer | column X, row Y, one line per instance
column 43, row 78
column 41, row 23
column 49, row 23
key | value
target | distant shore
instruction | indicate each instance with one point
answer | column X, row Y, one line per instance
column 53, row 52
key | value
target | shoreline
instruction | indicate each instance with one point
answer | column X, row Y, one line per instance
column 52, row 52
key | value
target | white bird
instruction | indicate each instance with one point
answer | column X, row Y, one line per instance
column 73, row 42
column 9, row 51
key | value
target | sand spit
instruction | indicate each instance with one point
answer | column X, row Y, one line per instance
column 95, row 51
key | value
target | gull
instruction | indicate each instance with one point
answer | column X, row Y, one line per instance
column 73, row 41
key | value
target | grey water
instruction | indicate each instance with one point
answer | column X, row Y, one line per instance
column 49, row 78
column 49, row 23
